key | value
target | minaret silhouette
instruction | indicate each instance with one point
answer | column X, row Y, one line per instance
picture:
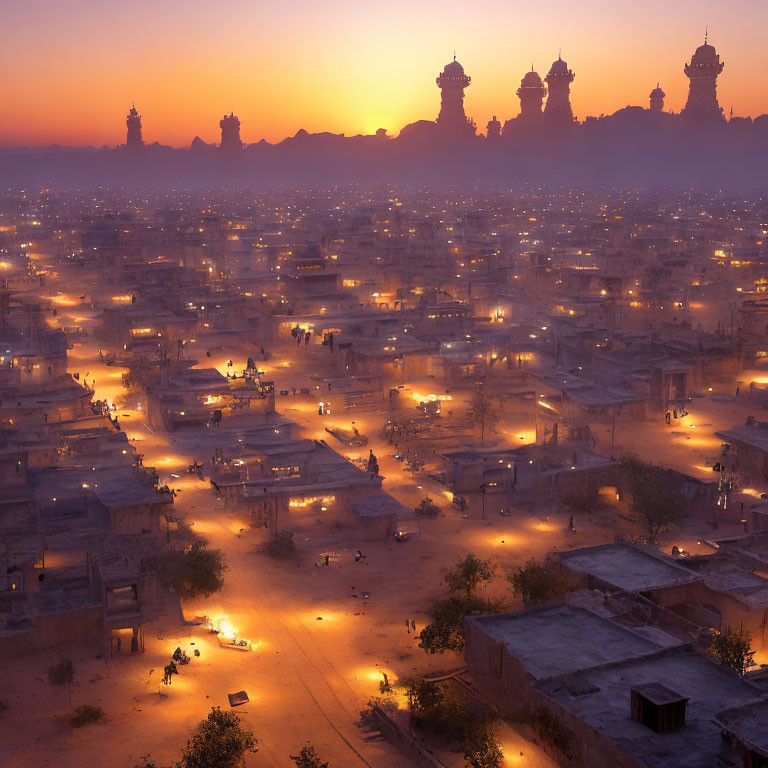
column 558, row 111
column 702, row 71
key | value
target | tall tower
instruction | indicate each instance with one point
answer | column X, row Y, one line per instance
column 230, row 133
column 452, row 81
column 133, row 139
column 702, row 106
column 493, row 131
column 558, row 112
column 657, row 99
column 531, row 94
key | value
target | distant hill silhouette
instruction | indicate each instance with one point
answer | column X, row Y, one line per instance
column 633, row 146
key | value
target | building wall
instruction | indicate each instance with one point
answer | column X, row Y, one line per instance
column 139, row 518
column 504, row 681
column 84, row 626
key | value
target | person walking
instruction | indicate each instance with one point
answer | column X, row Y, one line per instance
column 408, row 626
column 413, row 626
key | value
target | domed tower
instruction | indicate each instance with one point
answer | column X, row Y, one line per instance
column 703, row 70
column 452, row 81
column 494, row 129
column 558, row 111
column 230, row 133
column 531, row 94
column 657, row 99
column 133, row 139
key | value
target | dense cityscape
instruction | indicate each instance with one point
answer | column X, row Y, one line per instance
column 435, row 445
column 339, row 395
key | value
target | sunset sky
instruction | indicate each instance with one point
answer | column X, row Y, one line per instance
column 70, row 68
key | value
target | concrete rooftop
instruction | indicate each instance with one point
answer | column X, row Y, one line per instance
column 627, row 567
column 601, row 698
column 562, row 640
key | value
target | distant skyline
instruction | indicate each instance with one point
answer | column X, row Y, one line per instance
column 71, row 69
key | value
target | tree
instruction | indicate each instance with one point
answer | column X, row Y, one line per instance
column 439, row 709
column 660, row 508
column 195, row 571
column 481, row 744
column 536, row 582
column 424, row 696
column 445, row 632
column 219, row 742
column 733, row 648
column 483, row 411
column 468, row 574
column 308, row 758
column 62, row 675
column 454, row 713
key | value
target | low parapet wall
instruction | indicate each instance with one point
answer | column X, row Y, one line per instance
column 405, row 742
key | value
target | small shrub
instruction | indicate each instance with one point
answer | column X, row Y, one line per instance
column 85, row 714
column 219, row 742
column 733, row 648
column 308, row 758
column 481, row 745
column 195, row 571
column 537, row 582
column 62, row 675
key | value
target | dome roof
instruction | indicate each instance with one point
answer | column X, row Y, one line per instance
column 705, row 54
column 531, row 80
column 657, row 91
column 453, row 69
column 559, row 67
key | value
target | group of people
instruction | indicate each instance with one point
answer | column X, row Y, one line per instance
column 101, row 407
column 300, row 334
column 675, row 413
column 179, row 657
column 394, row 430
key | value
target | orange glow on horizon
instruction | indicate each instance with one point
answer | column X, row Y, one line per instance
column 343, row 66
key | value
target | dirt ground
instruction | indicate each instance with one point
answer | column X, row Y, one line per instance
column 319, row 646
